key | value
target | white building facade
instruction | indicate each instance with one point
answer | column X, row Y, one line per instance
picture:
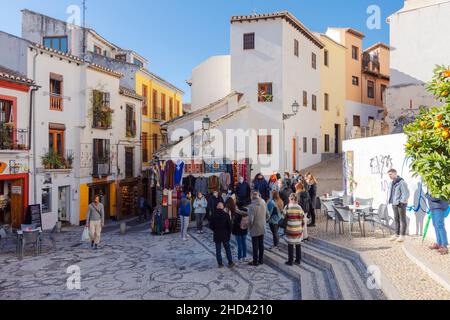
column 275, row 62
column 419, row 41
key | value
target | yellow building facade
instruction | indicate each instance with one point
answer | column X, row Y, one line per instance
column 333, row 91
column 162, row 102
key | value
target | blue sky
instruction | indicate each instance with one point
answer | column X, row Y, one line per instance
column 176, row 35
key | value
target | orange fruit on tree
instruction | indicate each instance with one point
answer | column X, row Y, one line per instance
column 444, row 94
column 446, row 74
column 438, row 125
column 440, row 117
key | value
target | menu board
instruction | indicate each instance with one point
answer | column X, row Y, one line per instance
column 35, row 214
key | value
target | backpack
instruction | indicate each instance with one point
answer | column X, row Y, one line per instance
column 245, row 221
column 283, row 221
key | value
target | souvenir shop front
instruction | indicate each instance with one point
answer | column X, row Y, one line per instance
column 129, row 191
column 13, row 199
column 166, row 181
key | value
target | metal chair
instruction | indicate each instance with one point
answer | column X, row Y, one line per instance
column 30, row 237
column 346, row 200
column 345, row 215
column 329, row 213
column 379, row 217
column 338, row 194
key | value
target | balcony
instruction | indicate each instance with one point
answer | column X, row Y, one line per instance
column 101, row 167
column 265, row 98
column 12, row 138
column 52, row 160
column 102, row 118
column 56, row 102
column 371, row 63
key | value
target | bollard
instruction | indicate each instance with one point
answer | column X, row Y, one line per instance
column 58, row 227
column 123, row 228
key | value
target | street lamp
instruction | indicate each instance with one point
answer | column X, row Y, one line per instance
column 206, row 123
column 295, row 108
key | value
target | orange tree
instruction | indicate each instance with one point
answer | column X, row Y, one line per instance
column 428, row 143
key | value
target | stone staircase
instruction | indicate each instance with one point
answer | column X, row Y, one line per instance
column 327, row 272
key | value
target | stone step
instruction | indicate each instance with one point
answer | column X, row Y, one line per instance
column 345, row 267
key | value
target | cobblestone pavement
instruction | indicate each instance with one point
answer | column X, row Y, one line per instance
column 408, row 278
column 137, row 266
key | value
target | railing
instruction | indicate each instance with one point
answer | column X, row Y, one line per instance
column 101, row 167
column 13, row 138
column 265, row 98
column 371, row 63
column 56, row 102
column 54, row 161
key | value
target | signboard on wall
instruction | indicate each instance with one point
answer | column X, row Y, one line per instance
column 16, row 190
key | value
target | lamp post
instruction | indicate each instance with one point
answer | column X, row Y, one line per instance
column 295, row 108
column 206, row 126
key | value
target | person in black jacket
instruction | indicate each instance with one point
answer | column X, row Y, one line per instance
column 304, row 200
column 221, row 225
column 240, row 234
column 312, row 190
column 213, row 201
column 243, row 193
column 285, row 192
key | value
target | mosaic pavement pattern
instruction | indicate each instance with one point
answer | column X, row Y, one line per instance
column 138, row 266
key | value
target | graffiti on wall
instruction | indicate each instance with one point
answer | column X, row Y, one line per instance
column 381, row 164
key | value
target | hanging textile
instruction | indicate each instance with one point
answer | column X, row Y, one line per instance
column 235, row 176
column 225, row 181
column 189, row 184
column 179, row 170
column 213, row 184
column 162, row 172
column 169, row 175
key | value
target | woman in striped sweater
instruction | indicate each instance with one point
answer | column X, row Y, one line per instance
column 294, row 229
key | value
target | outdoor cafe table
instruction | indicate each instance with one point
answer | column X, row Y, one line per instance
column 329, row 198
column 360, row 211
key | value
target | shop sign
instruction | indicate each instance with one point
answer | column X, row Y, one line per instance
column 16, row 190
column 3, row 167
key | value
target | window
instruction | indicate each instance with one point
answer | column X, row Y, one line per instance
column 249, row 41
column 314, row 102
column 265, row 92
column 6, row 111
column 163, row 106
column 56, row 86
column 130, row 122
column 138, row 62
column 325, row 58
column 305, row 145
column 265, row 145
column 327, row 143
column 129, row 162
column 296, row 51
column 57, row 43
column 356, row 121
column 101, row 109
column 179, row 112
column 97, row 50
column 56, row 141
column 314, row 61
column 2, row 188
column 314, row 146
column 144, row 147
column 355, row 81
column 145, row 102
column 46, row 200
column 101, row 158
column 326, row 99
column 171, row 108
column 355, row 53
column 155, row 143
column 370, row 89
column 382, row 91
column 121, row 57
column 305, row 98
column 155, row 104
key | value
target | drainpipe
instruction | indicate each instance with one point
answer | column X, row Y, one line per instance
column 33, row 125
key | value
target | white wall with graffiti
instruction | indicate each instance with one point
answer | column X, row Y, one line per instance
column 367, row 162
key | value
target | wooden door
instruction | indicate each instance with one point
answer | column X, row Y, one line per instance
column 17, row 209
